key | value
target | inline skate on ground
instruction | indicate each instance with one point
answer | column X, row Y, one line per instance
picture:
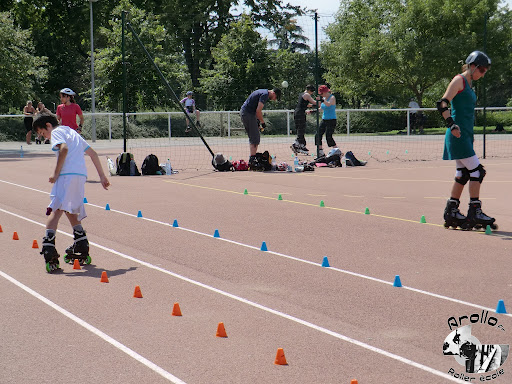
column 452, row 215
column 51, row 256
column 477, row 219
column 79, row 250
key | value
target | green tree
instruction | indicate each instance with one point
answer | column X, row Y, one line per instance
column 20, row 69
column 389, row 50
column 297, row 69
column 144, row 88
column 242, row 64
column 289, row 35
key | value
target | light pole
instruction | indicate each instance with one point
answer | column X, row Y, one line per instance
column 93, row 118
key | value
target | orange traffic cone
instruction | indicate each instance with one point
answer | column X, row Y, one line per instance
column 221, row 331
column 176, row 311
column 104, row 277
column 137, row 293
column 280, row 359
column 35, row 245
column 76, row 264
column 1, row 229
column 353, row 381
column 15, row 236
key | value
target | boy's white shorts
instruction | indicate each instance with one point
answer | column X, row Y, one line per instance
column 68, row 195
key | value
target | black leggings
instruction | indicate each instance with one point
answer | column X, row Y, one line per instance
column 300, row 127
column 327, row 127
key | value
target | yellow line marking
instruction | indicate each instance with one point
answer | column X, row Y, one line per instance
column 394, row 197
column 353, row 195
column 302, row 203
column 252, row 192
column 310, row 194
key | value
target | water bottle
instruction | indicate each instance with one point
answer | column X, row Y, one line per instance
column 274, row 164
column 295, row 164
column 168, row 168
column 132, row 167
column 344, row 162
column 21, row 152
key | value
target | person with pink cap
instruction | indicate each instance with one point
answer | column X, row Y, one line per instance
column 328, row 124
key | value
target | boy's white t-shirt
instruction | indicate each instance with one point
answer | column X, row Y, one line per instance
column 75, row 160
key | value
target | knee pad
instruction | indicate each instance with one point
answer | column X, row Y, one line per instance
column 477, row 174
column 464, row 176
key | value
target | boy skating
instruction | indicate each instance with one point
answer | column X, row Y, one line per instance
column 67, row 195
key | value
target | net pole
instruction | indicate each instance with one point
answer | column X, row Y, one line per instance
column 168, row 86
column 123, row 21
column 484, row 88
column 316, row 84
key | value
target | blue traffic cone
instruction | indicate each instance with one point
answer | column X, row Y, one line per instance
column 139, row 214
column 107, row 207
column 325, row 262
column 85, row 200
column 397, row 282
column 175, row 223
column 216, row 233
column 501, row 307
column 264, row 247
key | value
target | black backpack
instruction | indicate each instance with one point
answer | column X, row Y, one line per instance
column 150, row 165
column 261, row 162
column 352, row 161
column 123, row 165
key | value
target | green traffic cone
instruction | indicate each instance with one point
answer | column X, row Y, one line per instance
column 423, row 220
column 488, row 230
column 245, row 191
column 322, row 203
column 279, row 197
column 367, row 211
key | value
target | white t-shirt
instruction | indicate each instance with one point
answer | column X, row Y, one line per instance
column 75, row 160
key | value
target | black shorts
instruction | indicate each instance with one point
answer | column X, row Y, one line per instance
column 28, row 123
column 250, row 123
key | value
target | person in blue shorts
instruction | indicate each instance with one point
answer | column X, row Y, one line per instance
column 251, row 114
column 458, row 144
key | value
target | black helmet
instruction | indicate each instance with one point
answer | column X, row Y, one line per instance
column 478, row 58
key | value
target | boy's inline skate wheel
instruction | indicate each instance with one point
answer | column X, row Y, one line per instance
column 87, row 260
column 68, row 259
column 50, row 267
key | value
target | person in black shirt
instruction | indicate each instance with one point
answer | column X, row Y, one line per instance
column 305, row 100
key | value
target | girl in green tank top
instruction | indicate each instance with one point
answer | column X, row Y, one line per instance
column 458, row 144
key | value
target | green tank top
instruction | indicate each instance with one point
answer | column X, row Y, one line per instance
column 463, row 113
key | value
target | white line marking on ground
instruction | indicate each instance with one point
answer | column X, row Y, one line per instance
column 123, row 348
column 394, row 197
column 221, row 292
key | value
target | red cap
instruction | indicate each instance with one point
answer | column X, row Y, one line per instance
column 323, row 89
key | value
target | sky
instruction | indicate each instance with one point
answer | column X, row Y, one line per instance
column 323, row 6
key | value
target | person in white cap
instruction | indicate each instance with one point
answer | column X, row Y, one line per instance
column 69, row 110
column 191, row 109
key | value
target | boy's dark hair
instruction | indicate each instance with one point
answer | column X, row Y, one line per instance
column 41, row 120
column 310, row 88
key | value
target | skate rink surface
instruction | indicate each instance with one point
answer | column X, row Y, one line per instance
column 335, row 324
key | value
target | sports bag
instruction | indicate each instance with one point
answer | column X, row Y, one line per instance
column 126, row 165
column 240, row 165
column 150, row 165
column 221, row 164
